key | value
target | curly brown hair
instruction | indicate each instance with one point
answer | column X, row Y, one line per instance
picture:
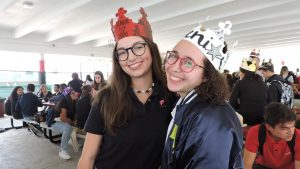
column 215, row 89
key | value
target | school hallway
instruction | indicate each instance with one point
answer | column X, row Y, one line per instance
column 21, row 149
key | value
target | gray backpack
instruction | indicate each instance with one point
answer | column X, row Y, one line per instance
column 287, row 95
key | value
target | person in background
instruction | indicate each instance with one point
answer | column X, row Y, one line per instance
column 84, row 106
column 88, row 80
column 249, row 95
column 229, row 79
column 99, row 82
column 129, row 118
column 12, row 102
column 67, row 112
column 29, row 103
column 255, row 56
column 205, row 131
column 279, row 129
column 56, row 90
column 43, row 93
column 75, row 83
column 60, row 95
column 288, row 76
column 274, row 89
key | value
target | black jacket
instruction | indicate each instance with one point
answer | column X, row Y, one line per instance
column 207, row 136
column 274, row 89
column 249, row 97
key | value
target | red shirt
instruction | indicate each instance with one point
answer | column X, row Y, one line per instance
column 276, row 154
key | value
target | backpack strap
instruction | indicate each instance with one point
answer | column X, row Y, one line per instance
column 291, row 145
column 261, row 138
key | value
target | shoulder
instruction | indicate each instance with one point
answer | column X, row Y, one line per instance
column 297, row 133
column 217, row 115
column 253, row 131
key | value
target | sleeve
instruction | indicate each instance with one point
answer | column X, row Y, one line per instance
column 234, row 97
column 252, row 139
column 94, row 123
column 297, row 146
column 203, row 138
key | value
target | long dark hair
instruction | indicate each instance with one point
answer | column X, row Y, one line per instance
column 71, row 103
column 102, row 83
column 14, row 95
column 215, row 89
column 117, row 92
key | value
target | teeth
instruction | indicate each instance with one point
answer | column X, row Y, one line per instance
column 174, row 78
column 133, row 66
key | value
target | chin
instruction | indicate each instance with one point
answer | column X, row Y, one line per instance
column 289, row 138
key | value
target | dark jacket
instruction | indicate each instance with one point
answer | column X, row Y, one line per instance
column 208, row 137
column 83, row 110
column 249, row 97
column 76, row 84
column 274, row 89
column 29, row 104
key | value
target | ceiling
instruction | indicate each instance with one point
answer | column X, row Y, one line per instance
column 82, row 27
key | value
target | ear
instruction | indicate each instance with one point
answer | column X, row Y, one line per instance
column 268, row 127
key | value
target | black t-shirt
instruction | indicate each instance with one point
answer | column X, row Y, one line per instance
column 71, row 109
column 139, row 145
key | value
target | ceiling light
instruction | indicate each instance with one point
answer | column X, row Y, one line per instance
column 28, row 4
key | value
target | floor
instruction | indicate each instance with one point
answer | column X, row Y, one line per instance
column 21, row 149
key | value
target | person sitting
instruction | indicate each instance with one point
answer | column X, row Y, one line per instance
column 84, row 106
column 11, row 102
column 29, row 103
column 59, row 96
column 43, row 93
column 67, row 111
column 270, row 145
column 56, row 90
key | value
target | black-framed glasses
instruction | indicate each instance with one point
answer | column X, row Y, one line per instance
column 138, row 49
column 186, row 63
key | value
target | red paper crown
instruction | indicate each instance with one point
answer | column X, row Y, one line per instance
column 125, row 27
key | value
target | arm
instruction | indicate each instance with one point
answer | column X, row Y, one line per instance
column 90, row 150
column 228, row 153
column 63, row 116
column 249, row 159
column 297, row 164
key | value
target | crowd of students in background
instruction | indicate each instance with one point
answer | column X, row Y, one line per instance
column 135, row 121
column 72, row 104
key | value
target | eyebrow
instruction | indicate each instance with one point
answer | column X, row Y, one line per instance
column 132, row 45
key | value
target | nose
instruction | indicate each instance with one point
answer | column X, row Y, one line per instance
column 174, row 67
